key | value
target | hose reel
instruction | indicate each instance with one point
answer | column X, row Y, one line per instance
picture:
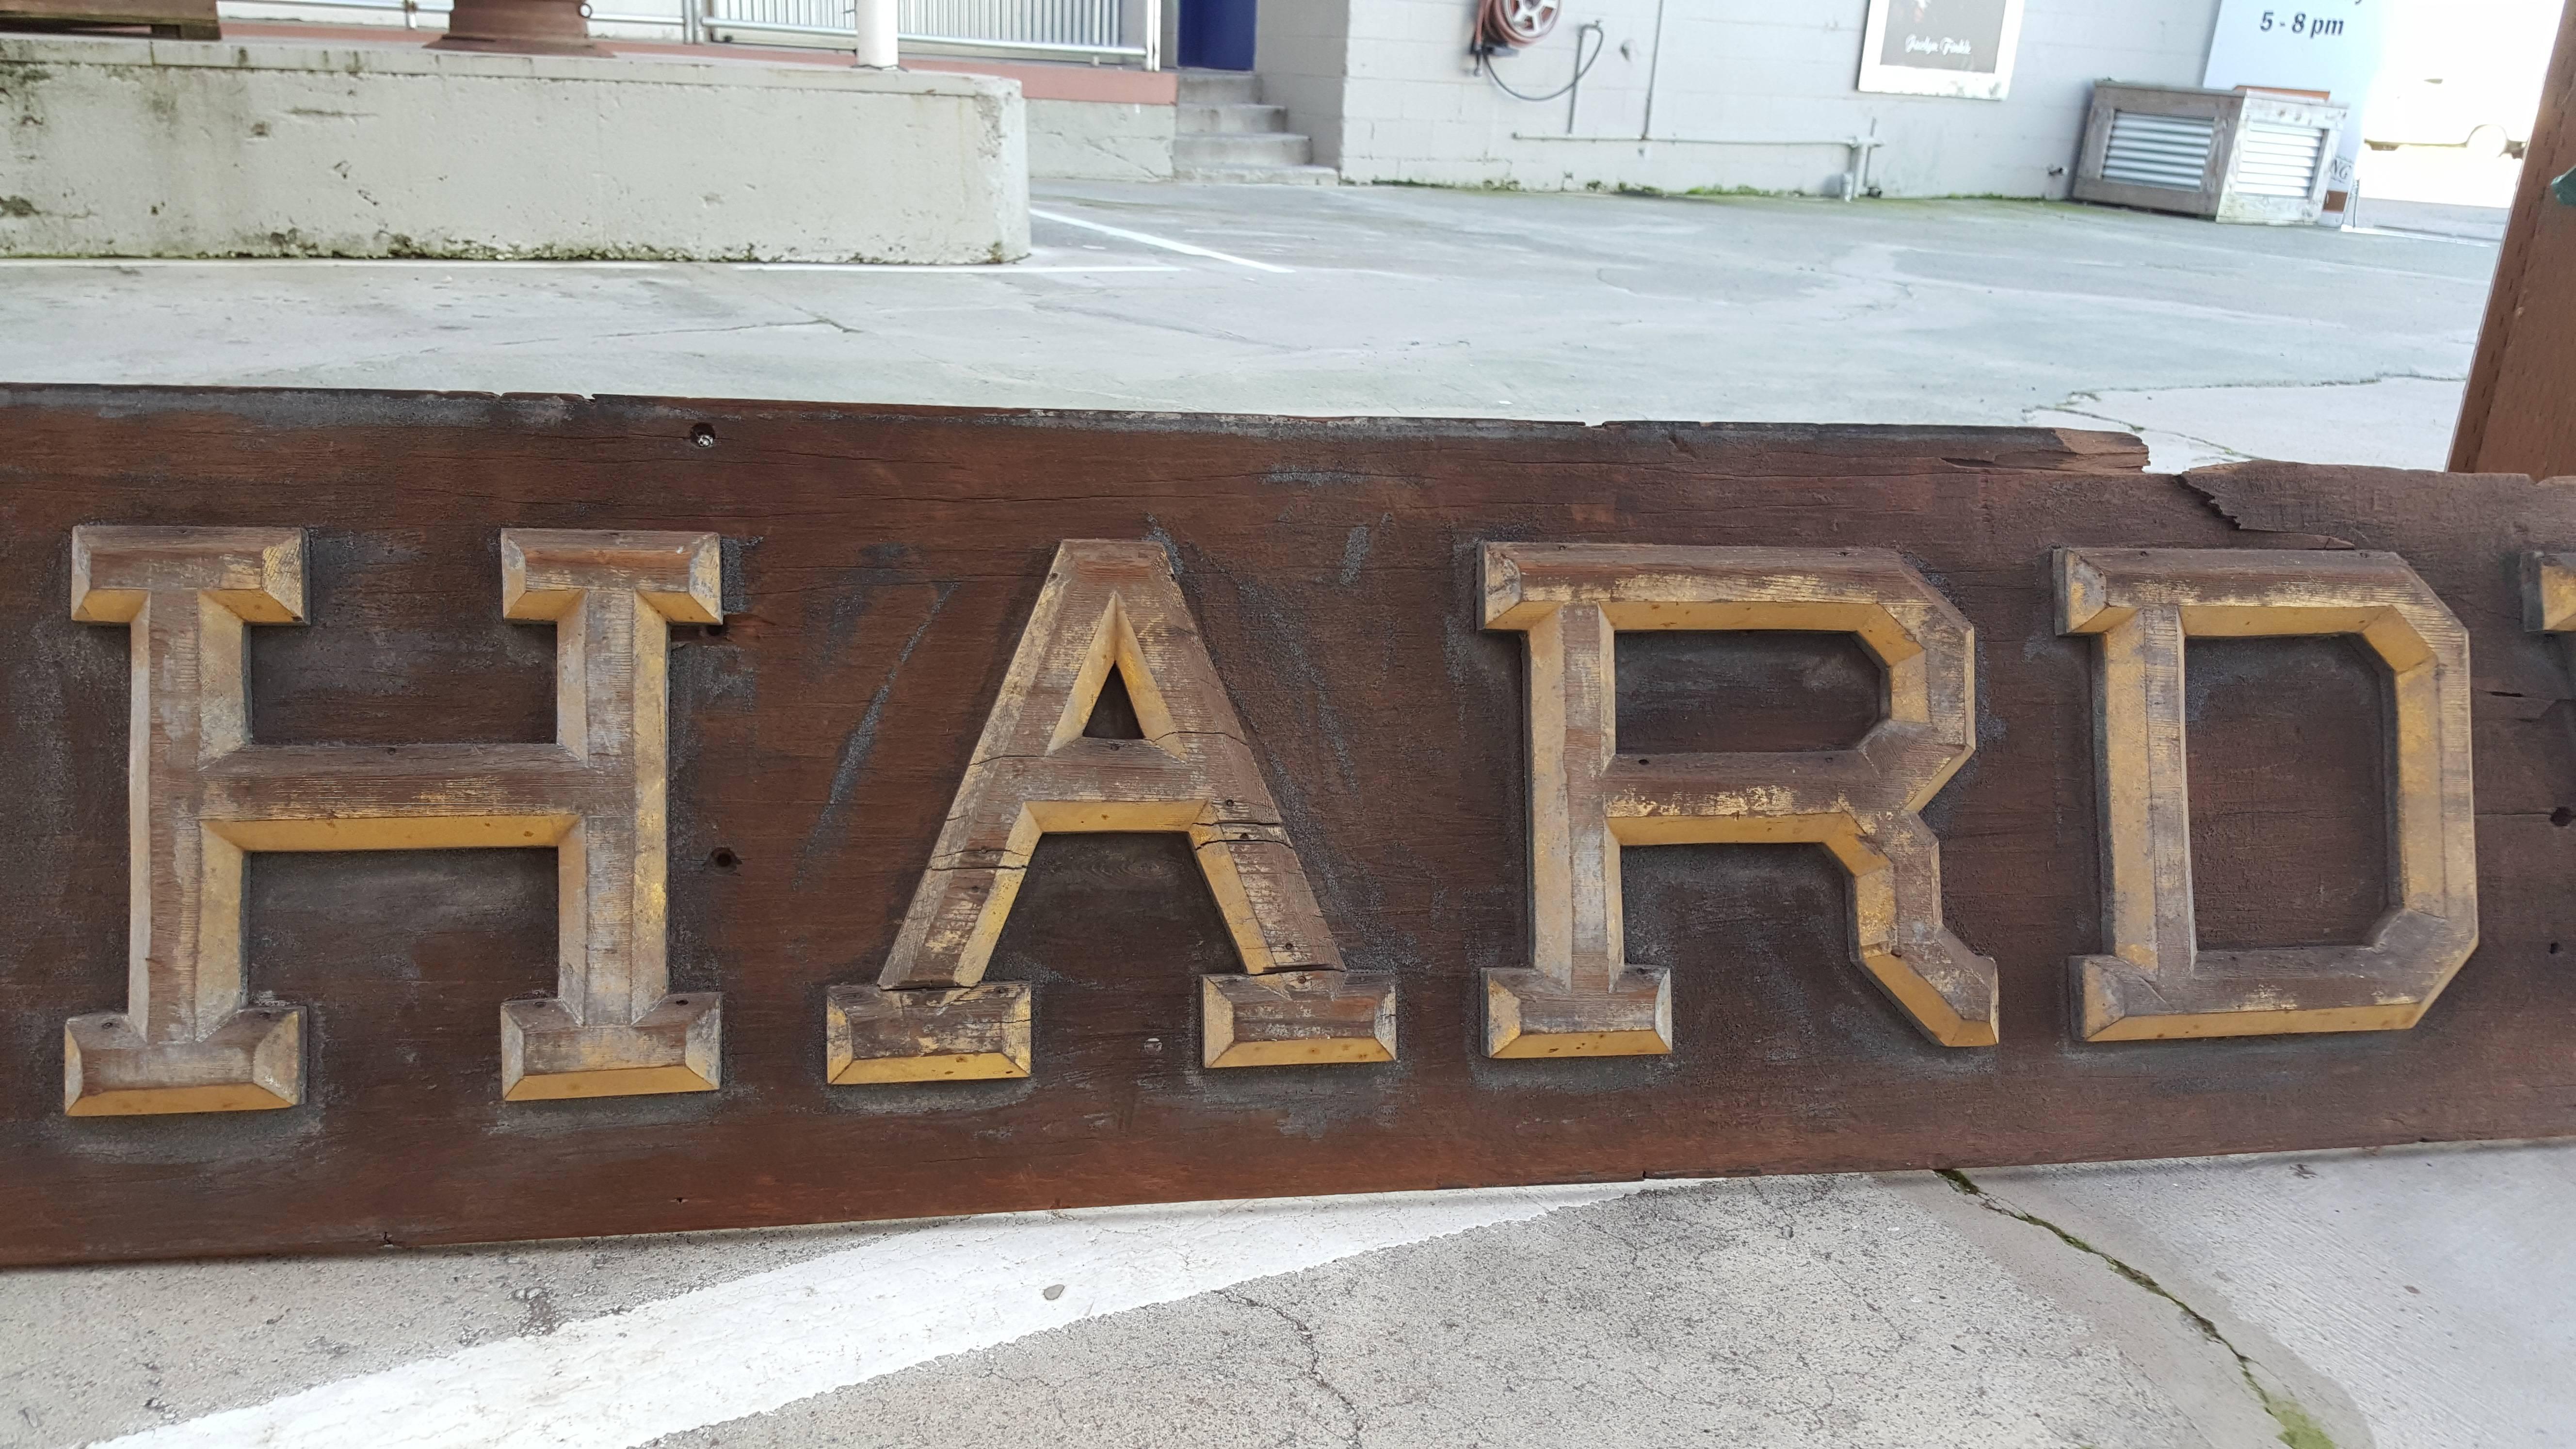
column 1512, row 24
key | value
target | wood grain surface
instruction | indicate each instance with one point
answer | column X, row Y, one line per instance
column 2514, row 415
column 880, row 566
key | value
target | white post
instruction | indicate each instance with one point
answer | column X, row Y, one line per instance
column 1140, row 23
column 874, row 20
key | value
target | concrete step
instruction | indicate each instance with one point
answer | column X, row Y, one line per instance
column 1274, row 148
column 1219, row 88
column 1198, row 120
column 1260, row 175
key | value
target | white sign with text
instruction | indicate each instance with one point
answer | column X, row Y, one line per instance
column 2329, row 46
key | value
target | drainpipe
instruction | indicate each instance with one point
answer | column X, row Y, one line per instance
column 1574, row 87
column 1654, row 63
column 1858, row 176
column 874, row 20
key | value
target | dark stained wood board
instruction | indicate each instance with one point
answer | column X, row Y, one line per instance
column 2514, row 414
column 882, row 562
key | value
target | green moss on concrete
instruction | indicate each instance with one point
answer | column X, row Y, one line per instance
column 2299, row 1430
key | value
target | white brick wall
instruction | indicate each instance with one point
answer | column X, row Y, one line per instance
column 1385, row 89
column 1301, row 47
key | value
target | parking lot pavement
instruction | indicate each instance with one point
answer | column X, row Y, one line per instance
column 1389, row 300
column 2410, row 1300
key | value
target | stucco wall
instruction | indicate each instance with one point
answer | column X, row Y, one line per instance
column 168, row 148
column 1412, row 109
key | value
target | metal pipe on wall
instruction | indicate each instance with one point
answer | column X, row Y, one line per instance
column 1654, row 63
column 874, row 22
column 1574, row 87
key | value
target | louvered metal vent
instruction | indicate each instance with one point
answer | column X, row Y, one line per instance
column 2278, row 160
column 2247, row 155
column 2159, row 150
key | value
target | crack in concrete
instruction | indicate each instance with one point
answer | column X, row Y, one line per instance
column 2298, row 1429
column 1053, row 1391
column 1314, row 1360
column 2095, row 394
column 2088, row 403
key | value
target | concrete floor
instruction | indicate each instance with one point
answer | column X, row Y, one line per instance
column 2215, row 341
column 2410, row 1299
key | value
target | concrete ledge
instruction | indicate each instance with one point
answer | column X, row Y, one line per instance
column 1101, row 140
column 1085, row 122
column 178, row 148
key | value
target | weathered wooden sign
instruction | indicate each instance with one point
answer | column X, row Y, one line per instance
column 455, row 818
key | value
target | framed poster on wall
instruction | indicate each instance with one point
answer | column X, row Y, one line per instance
column 1940, row 47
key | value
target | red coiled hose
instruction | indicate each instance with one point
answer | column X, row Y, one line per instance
column 1511, row 24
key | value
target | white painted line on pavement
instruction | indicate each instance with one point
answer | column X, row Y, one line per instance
column 770, row 1339
column 2411, row 234
column 1166, row 243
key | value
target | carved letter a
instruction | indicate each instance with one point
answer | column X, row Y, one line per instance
column 1108, row 606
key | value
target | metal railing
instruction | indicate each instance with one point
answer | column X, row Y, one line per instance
column 1122, row 30
column 1068, row 24
column 1100, row 31
column 406, row 13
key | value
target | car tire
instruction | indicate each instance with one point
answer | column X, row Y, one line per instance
column 2488, row 142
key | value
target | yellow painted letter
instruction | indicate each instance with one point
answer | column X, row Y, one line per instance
column 1579, row 996
column 1108, row 606
column 2155, row 981
column 201, row 794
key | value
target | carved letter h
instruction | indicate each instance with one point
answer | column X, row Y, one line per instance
column 200, row 794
